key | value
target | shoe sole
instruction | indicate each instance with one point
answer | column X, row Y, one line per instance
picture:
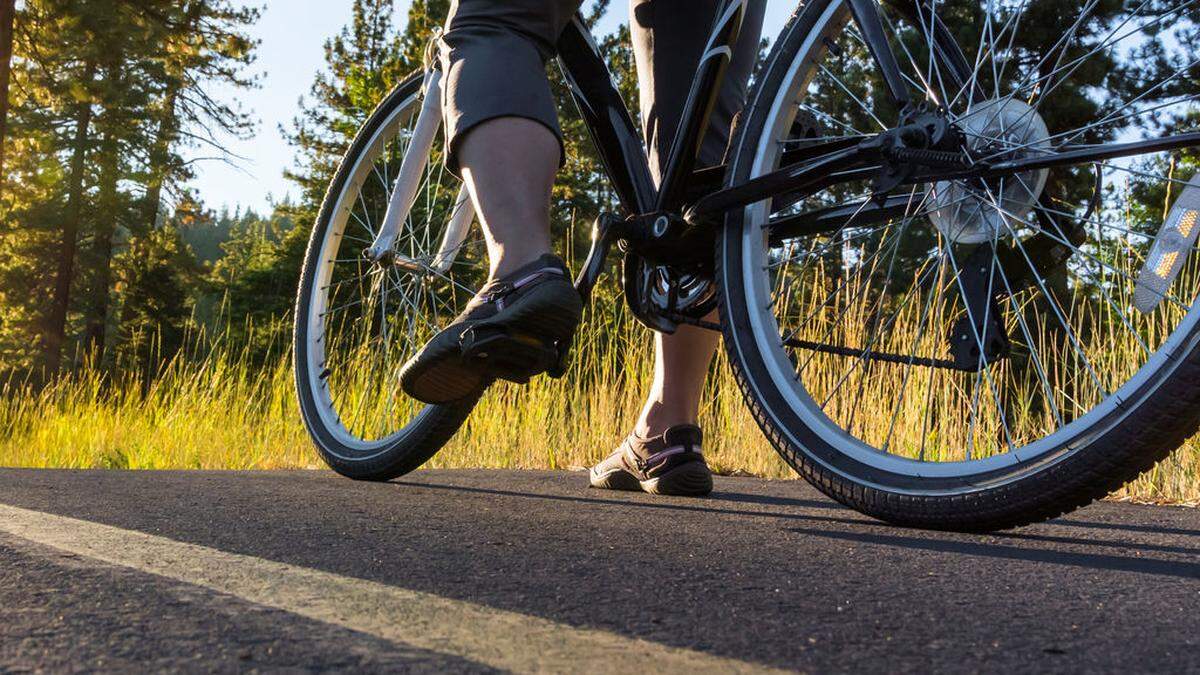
column 447, row 379
column 693, row 479
column 617, row 479
column 543, row 317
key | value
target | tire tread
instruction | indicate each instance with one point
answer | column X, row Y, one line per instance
column 1161, row 422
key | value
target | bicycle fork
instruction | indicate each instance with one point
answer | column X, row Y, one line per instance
column 408, row 182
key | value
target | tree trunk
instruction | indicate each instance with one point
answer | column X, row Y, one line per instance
column 54, row 333
column 168, row 127
column 107, row 208
column 107, row 213
column 160, row 154
column 7, row 18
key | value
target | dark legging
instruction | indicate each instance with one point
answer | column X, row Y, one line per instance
column 494, row 54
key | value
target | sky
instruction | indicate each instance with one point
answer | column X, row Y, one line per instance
column 292, row 35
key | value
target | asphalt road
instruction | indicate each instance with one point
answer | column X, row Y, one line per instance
column 485, row 570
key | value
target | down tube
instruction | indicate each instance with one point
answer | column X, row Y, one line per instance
column 617, row 138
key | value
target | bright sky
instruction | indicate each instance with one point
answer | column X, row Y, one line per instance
column 292, row 34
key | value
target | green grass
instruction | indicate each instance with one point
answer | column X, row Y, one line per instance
column 222, row 413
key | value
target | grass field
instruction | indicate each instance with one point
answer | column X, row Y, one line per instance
column 220, row 413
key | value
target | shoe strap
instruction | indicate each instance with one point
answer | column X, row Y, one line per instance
column 498, row 291
column 658, row 458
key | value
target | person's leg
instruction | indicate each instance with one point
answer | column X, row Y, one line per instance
column 502, row 138
column 500, row 119
column 662, row 455
column 680, row 369
column 668, row 40
column 508, row 164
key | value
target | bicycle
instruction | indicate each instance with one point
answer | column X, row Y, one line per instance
column 941, row 244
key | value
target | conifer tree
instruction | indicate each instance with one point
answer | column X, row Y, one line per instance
column 362, row 64
column 8, row 12
column 87, row 146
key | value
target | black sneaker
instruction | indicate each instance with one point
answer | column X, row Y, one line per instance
column 670, row 464
column 509, row 330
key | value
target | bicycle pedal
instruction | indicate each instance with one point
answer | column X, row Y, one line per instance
column 562, row 354
column 515, row 357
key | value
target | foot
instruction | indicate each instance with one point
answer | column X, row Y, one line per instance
column 510, row 330
column 670, row 464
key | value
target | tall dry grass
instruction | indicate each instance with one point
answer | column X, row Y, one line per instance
column 221, row 412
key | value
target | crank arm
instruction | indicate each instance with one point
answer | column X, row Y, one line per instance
column 607, row 229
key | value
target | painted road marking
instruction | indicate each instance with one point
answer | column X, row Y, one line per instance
column 498, row 638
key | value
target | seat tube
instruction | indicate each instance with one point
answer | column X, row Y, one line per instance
column 702, row 97
column 617, row 138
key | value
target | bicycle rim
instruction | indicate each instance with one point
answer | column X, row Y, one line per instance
column 359, row 320
column 858, row 340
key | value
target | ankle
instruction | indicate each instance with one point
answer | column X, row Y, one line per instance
column 652, row 429
column 506, row 263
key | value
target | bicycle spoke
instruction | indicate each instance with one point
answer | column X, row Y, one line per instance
column 372, row 316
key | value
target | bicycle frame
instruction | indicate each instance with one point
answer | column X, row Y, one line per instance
column 660, row 219
column 619, row 140
column 653, row 212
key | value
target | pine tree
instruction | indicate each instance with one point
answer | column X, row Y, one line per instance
column 204, row 44
column 83, row 157
column 362, row 64
column 87, row 39
column 8, row 12
column 159, row 280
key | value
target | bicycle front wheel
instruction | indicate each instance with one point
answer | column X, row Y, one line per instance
column 359, row 317
column 972, row 354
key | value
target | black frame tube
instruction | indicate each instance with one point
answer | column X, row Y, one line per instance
column 866, row 15
column 619, row 141
column 702, row 97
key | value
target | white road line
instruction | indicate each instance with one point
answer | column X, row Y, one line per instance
column 494, row 637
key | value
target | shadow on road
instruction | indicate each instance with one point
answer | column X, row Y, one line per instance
column 1130, row 527
column 1187, row 570
column 930, row 541
column 1077, row 541
column 668, row 506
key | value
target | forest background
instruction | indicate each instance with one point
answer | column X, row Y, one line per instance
column 142, row 328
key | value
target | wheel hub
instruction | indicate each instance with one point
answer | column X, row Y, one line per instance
column 974, row 212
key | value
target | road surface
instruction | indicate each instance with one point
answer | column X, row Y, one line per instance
column 473, row 571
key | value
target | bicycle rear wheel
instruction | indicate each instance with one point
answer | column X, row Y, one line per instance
column 359, row 318
column 967, row 354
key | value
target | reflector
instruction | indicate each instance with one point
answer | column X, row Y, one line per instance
column 1170, row 250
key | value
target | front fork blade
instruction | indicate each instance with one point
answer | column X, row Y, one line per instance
column 456, row 231
column 412, row 168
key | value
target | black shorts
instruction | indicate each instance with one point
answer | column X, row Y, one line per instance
column 494, row 54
